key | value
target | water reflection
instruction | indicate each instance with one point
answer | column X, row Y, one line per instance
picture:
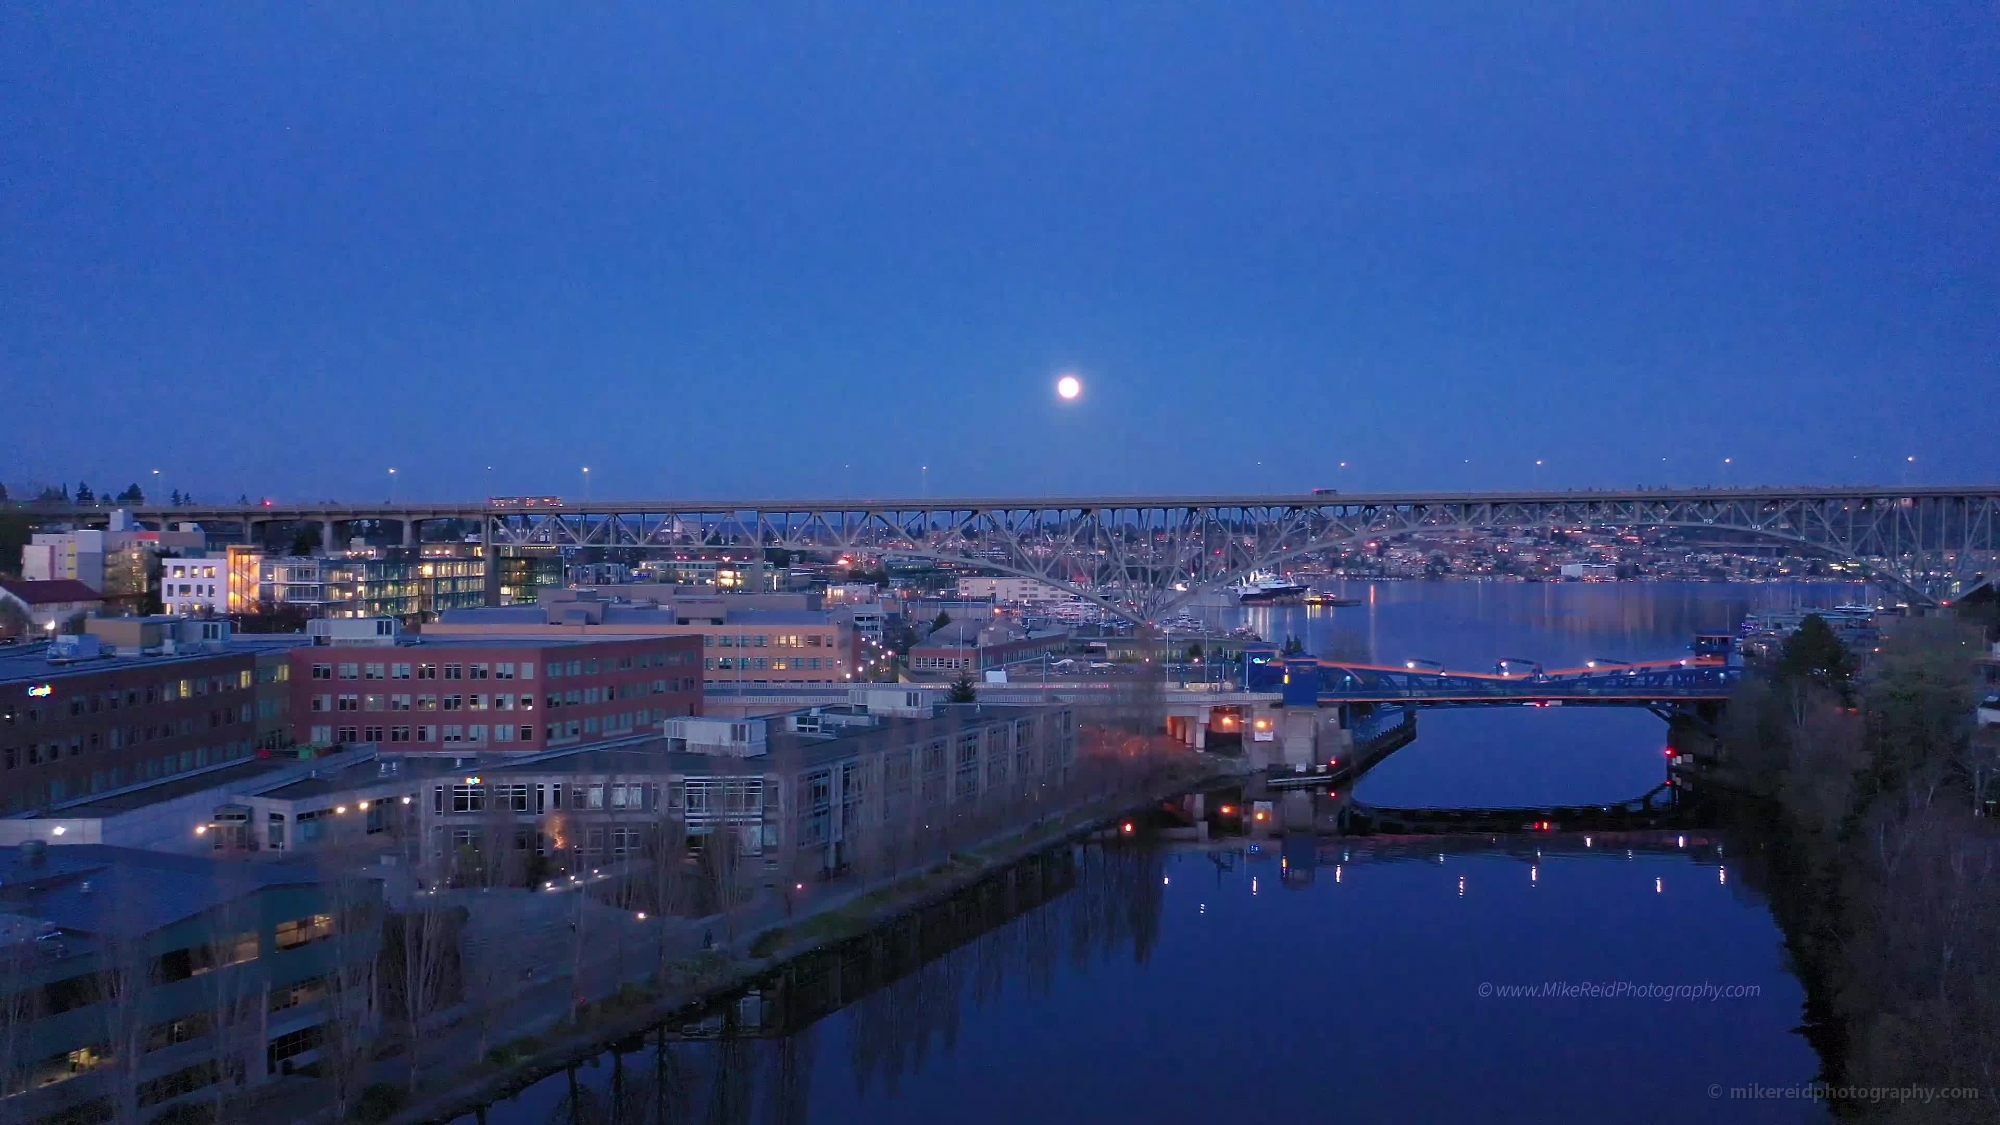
column 1183, row 983
column 1116, row 977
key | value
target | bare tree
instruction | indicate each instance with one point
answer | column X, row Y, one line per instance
column 126, row 975
column 353, row 992
column 20, row 1006
column 667, row 853
column 422, row 950
column 231, row 940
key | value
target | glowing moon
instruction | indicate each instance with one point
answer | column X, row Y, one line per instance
column 1069, row 387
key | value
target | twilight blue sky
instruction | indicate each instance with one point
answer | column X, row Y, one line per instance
column 730, row 249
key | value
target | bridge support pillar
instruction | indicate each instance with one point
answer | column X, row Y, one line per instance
column 327, row 530
column 1200, row 726
column 410, row 534
column 489, row 554
column 1296, row 731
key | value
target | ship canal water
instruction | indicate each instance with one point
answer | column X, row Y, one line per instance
column 1369, row 979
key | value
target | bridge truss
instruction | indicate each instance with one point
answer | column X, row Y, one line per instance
column 1142, row 558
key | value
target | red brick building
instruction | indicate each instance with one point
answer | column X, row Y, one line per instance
column 492, row 693
column 69, row 730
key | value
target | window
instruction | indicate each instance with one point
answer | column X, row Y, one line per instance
column 347, row 734
column 454, row 672
column 399, row 703
column 371, row 734
column 399, row 671
column 503, row 733
column 479, row 671
column 293, row 1044
column 300, row 931
column 476, row 733
column 452, row 702
column 427, row 671
column 319, row 672
column 399, row 734
column 322, row 703
column 372, row 671
column 350, row 671
column 454, row 733
column 503, row 671
column 427, row 703
column 527, row 733
column 350, row 703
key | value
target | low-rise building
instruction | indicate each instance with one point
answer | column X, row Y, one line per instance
column 194, row 587
column 120, row 562
column 364, row 680
column 953, row 651
column 52, row 604
column 1010, row 591
column 804, row 793
column 153, row 976
column 738, row 643
column 415, row 584
column 134, row 700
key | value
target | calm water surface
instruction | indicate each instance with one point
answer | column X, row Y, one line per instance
column 1177, row 983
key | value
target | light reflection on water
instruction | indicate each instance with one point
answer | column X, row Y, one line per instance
column 1177, row 984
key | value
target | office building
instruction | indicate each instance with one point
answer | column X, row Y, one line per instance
column 194, row 587
column 120, row 562
column 739, row 643
column 414, row 584
column 134, row 700
column 153, row 976
column 804, row 793
column 363, row 680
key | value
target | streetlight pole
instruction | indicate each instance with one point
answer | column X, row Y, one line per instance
column 392, row 485
column 586, row 484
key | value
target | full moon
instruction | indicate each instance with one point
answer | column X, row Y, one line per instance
column 1068, row 386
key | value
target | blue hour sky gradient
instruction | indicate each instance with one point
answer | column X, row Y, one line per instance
column 807, row 249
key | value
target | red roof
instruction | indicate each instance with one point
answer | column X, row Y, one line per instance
column 49, row 593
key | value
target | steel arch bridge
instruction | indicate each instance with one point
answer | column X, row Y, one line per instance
column 1141, row 557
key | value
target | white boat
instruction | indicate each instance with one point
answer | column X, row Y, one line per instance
column 1262, row 587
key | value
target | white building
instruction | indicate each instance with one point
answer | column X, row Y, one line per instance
column 1010, row 591
column 194, row 587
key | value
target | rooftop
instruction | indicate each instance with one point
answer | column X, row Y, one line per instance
column 614, row 614
column 50, row 592
column 19, row 663
column 102, row 891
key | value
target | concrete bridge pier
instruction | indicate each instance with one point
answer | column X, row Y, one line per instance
column 411, row 534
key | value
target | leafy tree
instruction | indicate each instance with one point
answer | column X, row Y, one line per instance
column 175, row 498
column 1294, row 646
column 14, row 621
column 1919, row 698
column 85, row 498
column 962, row 690
column 940, row 621
column 1194, row 651
column 131, row 495
column 1813, row 654
column 306, row 540
column 244, row 499
column 3, row 494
